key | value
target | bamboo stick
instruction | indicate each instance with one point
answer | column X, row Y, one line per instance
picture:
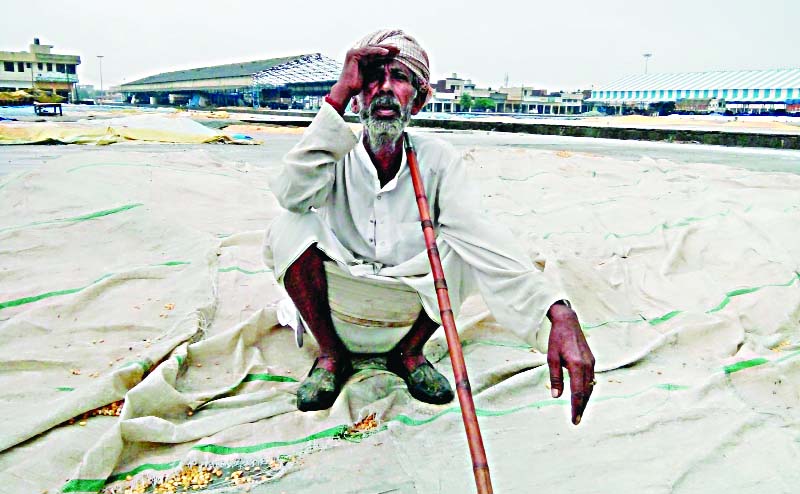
column 480, row 467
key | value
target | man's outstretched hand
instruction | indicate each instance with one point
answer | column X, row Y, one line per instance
column 567, row 347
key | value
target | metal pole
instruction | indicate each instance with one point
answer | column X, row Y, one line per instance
column 100, row 59
column 646, row 59
column 480, row 466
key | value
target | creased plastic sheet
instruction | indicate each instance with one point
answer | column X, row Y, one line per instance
column 153, row 128
column 137, row 276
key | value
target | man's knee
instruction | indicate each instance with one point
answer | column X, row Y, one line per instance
column 308, row 265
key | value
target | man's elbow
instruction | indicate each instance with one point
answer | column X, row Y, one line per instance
column 294, row 206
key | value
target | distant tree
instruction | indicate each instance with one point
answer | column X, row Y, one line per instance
column 466, row 102
column 484, row 104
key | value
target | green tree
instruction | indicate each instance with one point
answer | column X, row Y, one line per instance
column 484, row 104
column 466, row 101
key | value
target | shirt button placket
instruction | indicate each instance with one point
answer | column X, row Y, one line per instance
column 379, row 234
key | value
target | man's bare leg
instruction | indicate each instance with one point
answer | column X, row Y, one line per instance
column 307, row 285
column 407, row 360
column 409, row 349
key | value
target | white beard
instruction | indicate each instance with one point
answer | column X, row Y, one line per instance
column 383, row 132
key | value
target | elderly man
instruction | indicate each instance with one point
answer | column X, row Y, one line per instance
column 350, row 200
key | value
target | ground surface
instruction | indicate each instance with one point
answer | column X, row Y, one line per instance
column 121, row 259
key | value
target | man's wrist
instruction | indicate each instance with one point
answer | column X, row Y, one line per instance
column 560, row 308
column 338, row 98
column 335, row 104
column 563, row 301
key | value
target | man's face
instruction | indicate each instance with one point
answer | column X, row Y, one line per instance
column 386, row 102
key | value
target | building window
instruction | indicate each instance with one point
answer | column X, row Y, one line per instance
column 41, row 66
column 49, row 67
column 745, row 93
column 630, row 94
column 20, row 66
column 70, row 69
column 715, row 93
column 725, row 93
column 778, row 93
column 660, row 93
column 790, row 93
column 705, row 93
column 60, row 67
column 669, row 94
column 735, row 93
column 8, row 66
column 756, row 93
column 27, row 65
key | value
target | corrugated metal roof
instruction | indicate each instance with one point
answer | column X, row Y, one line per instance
column 775, row 85
column 216, row 72
column 735, row 79
column 303, row 69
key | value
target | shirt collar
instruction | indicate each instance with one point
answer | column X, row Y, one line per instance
column 364, row 158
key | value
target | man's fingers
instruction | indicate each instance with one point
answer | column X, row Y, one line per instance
column 581, row 383
column 374, row 52
column 556, row 374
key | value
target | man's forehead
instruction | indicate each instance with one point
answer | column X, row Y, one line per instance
column 392, row 65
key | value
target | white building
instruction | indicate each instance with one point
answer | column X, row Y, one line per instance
column 39, row 68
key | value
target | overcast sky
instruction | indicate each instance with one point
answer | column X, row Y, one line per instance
column 554, row 45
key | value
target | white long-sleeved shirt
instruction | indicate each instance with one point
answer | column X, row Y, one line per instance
column 330, row 174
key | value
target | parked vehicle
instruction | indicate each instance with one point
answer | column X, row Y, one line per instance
column 702, row 106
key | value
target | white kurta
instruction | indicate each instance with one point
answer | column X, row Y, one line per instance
column 334, row 198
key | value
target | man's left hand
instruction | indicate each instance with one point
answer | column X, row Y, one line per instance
column 567, row 347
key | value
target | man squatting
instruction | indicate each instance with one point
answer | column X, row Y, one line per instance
column 350, row 199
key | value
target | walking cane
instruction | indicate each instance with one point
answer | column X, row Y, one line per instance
column 480, row 467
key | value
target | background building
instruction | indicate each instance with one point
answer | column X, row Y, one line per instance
column 39, row 68
column 540, row 102
column 448, row 93
column 277, row 83
column 741, row 91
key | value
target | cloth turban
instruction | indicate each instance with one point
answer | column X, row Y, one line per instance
column 411, row 54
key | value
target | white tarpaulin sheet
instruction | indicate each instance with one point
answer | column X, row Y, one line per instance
column 137, row 276
column 154, row 128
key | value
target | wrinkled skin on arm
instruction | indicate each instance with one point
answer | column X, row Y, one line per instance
column 567, row 347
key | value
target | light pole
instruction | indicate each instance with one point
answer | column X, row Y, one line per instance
column 100, row 59
column 646, row 58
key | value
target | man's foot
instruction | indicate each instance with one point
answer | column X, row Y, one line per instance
column 322, row 386
column 423, row 381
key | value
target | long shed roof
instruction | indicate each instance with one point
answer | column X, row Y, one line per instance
column 776, row 85
column 734, row 79
column 215, row 72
